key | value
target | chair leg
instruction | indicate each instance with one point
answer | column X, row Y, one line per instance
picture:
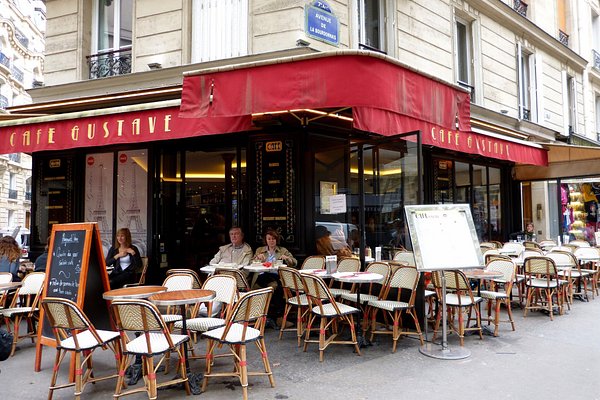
column 350, row 320
column 461, row 328
column 16, row 323
column 57, row 361
column 322, row 328
column 151, row 375
column 243, row 371
column 510, row 316
column 210, row 347
column 262, row 347
column 284, row 320
column 78, row 375
column 496, row 317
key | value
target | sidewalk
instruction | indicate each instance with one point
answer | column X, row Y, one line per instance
column 542, row 359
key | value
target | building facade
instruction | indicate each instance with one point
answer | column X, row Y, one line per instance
column 179, row 119
column 22, row 27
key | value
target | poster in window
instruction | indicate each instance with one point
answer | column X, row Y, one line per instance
column 327, row 189
column 99, row 195
column 132, row 193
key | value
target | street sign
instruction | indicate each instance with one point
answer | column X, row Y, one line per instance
column 321, row 23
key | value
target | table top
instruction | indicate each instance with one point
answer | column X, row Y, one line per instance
column 357, row 277
column 259, row 267
column 134, row 292
column 9, row 286
column 322, row 273
column 478, row 273
column 181, row 297
column 209, row 269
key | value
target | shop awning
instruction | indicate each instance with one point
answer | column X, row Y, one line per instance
column 386, row 97
column 564, row 161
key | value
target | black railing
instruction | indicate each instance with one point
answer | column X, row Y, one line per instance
column 4, row 60
column 469, row 87
column 525, row 114
column 21, row 38
column 520, row 7
column 27, row 196
column 12, row 194
column 17, row 74
column 363, row 46
column 596, row 57
column 110, row 63
column 15, row 157
column 563, row 38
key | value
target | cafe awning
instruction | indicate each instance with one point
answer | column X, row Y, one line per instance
column 564, row 161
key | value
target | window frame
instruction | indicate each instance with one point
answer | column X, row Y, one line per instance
column 95, row 45
column 526, row 84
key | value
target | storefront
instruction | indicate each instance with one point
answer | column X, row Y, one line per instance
column 311, row 147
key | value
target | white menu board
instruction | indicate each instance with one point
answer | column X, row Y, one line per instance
column 443, row 237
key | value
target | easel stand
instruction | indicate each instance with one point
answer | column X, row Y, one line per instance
column 443, row 351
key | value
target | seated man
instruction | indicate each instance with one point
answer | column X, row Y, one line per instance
column 236, row 252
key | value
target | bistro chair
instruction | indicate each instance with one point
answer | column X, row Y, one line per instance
column 349, row 264
column 579, row 243
column 237, row 333
column 571, row 277
column 512, row 248
column 541, row 280
column 24, row 306
column 593, row 254
column 314, row 262
column 404, row 281
column 5, row 277
column 530, row 244
column 330, row 313
column 547, row 244
column 496, row 243
column 142, row 279
column 295, row 301
column 405, row 256
column 459, row 301
column 75, row 333
column 562, row 248
column 225, row 289
column 494, row 296
column 519, row 281
column 196, row 278
column 155, row 340
column 240, row 278
column 176, row 281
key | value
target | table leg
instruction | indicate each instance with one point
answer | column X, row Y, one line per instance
column 361, row 340
column 194, row 379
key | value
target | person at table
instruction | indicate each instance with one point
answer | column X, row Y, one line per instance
column 325, row 245
column 10, row 253
column 40, row 262
column 528, row 234
column 237, row 251
column 272, row 252
column 125, row 259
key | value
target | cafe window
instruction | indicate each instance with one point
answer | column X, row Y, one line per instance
column 371, row 25
column 113, row 20
column 464, row 55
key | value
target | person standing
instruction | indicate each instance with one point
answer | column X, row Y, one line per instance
column 236, row 252
column 10, row 253
column 125, row 258
column 42, row 260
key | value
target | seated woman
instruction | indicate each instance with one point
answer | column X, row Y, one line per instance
column 325, row 246
column 272, row 252
column 125, row 258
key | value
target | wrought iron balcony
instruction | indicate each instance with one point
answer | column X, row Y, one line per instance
column 563, row 38
column 15, row 157
column 3, row 102
column 520, row 7
column 21, row 38
column 525, row 114
column 596, row 57
column 27, row 196
column 17, row 74
column 4, row 60
column 110, row 63
column 12, row 194
column 469, row 87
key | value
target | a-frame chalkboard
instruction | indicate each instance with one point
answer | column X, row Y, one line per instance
column 75, row 270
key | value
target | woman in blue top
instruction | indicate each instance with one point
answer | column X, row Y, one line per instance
column 9, row 257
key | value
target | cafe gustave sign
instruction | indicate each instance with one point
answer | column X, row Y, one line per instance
column 107, row 129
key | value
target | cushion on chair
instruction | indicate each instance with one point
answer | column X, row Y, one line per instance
column 168, row 318
column 541, row 283
column 389, row 305
column 487, row 294
column 234, row 335
column 294, row 300
column 465, row 301
column 87, row 341
column 329, row 310
column 157, row 340
column 201, row 324
column 338, row 292
column 364, row 298
column 9, row 312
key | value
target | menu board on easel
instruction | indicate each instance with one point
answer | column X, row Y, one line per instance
column 443, row 236
column 76, row 270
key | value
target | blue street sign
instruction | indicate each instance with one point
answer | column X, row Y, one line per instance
column 321, row 24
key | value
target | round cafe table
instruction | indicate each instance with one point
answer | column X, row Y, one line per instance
column 257, row 268
column 182, row 298
column 358, row 278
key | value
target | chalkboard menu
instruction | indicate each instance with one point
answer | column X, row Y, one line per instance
column 275, row 190
column 76, row 271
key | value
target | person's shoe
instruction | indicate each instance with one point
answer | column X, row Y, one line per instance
column 270, row 323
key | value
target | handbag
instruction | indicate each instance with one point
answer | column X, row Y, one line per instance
column 6, row 341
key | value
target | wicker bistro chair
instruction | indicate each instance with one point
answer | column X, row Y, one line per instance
column 240, row 278
column 542, row 282
column 519, row 281
column 5, row 277
column 459, row 301
column 329, row 312
column 197, row 283
column 405, row 256
column 225, row 289
column 176, row 281
column 155, row 340
column 494, row 296
column 404, row 280
column 569, row 274
column 75, row 333
column 252, row 307
column 349, row 264
column 591, row 266
column 314, row 262
column 529, row 244
column 295, row 301
column 24, row 305
column 142, row 279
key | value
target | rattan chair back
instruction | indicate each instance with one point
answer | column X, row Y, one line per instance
column 314, row 262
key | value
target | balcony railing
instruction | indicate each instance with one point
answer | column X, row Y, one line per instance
column 520, row 7
column 12, row 194
column 28, row 196
column 17, row 74
column 525, row 114
column 563, row 38
column 4, row 60
column 469, row 87
column 21, row 38
column 15, row 157
column 110, row 63
column 3, row 102
column 596, row 57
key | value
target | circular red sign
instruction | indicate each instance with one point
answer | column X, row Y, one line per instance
column 91, row 160
column 123, row 158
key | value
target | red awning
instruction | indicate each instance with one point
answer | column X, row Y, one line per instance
column 386, row 97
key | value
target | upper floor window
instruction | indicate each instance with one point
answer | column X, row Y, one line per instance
column 562, row 11
column 371, row 25
column 112, row 38
column 219, row 29
column 527, row 84
column 571, row 115
column 598, row 118
column 12, row 189
column 596, row 40
column 464, row 56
